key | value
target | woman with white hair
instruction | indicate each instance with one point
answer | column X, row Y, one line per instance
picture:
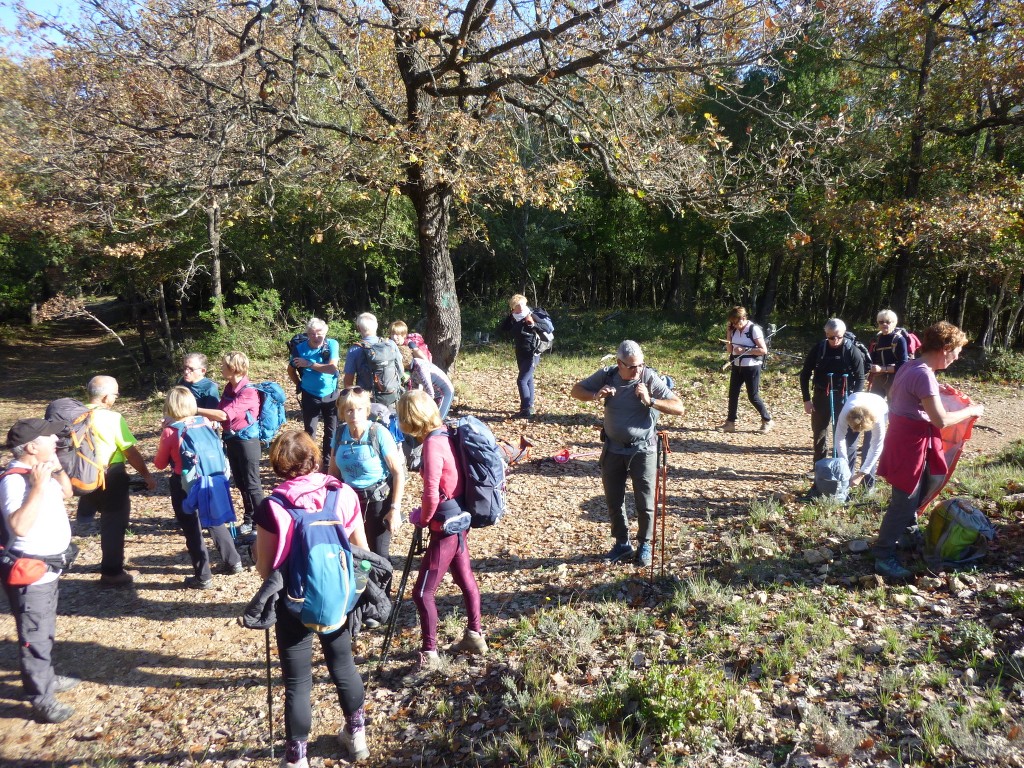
column 888, row 353
column 314, row 371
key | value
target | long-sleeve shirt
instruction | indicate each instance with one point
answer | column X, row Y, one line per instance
column 239, row 401
column 441, row 479
column 880, row 411
column 824, row 359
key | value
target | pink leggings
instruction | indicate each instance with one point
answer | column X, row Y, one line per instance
column 441, row 556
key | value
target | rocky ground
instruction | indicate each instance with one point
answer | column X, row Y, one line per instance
column 171, row 679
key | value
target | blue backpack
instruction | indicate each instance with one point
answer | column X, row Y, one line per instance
column 271, row 416
column 482, row 467
column 201, row 451
column 832, row 478
column 320, row 581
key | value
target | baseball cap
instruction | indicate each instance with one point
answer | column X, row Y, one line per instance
column 26, row 430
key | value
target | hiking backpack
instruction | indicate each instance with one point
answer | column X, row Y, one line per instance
column 958, row 533
column 320, row 579
column 201, row 451
column 542, row 340
column 749, row 333
column 271, row 415
column 913, row 343
column 76, row 444
column 382, row 369
column 482, row 467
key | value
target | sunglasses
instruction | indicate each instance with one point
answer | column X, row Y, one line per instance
column 837, row 337
column 636, row 367
column 352, row 390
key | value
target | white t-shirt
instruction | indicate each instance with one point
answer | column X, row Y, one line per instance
column 51, row 532
column 740, row 338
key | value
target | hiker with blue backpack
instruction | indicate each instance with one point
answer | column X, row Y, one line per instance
column 833, row 369
column 747, row 351
column 189, row 444
column 443, row 486
column 238, row 413
column 365, row 456
column 306, row 505
column 913, row 461
column 532, row 334
column 313, row 369
column 633, row 396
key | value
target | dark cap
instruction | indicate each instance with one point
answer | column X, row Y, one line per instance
column 26, row 430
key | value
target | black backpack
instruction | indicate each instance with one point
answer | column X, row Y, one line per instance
column 542, row 340
column 749, row 333
column 850, row 344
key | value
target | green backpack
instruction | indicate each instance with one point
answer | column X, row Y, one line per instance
column 958, row 533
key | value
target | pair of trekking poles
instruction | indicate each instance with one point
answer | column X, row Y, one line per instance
column 832, row 409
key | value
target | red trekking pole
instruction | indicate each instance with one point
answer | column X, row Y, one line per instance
column 660, row 497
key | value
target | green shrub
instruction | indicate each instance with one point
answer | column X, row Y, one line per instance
column 1005, row 365
column 677, row 700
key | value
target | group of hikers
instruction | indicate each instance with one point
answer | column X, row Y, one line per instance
column 382, row 411
column 900, row 414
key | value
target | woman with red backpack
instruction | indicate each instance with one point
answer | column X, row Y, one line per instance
column 442, row 486
column 889, row 351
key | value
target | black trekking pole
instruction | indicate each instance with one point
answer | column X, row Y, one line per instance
column 270, row 696
column 415, row 548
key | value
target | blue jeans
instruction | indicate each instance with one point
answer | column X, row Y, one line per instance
column 527, row 362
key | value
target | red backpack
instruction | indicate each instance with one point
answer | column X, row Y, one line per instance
column 414, row 338
column 913, row 342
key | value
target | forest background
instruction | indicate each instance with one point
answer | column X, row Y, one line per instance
column 805, row 160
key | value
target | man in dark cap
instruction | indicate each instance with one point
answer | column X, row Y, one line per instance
column 36, row 526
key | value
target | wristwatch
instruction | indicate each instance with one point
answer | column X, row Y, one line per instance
column 653, row 402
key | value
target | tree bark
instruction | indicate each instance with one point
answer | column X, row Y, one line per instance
column 432, row 203
column 766, row 306
column 213, row 232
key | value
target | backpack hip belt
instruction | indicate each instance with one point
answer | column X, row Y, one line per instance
column 370, row 493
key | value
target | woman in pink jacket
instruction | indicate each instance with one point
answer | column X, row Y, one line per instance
column 295, row 458
column 419, row 417
column 912, row 459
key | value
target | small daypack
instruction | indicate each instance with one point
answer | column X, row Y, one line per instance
column 415, row 338
column 958, row 533
column 271, row 414
column 482, row 467
column 201, row 451
column 543, row 340
column 832, row 478
column 76, row 444
column 320, row 580
column 382, row 370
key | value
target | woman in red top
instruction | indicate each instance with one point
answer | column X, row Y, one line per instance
column 239, row 413
column 181, row 406
column 418, row 416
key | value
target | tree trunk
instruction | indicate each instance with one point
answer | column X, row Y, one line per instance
column 766, row 306
column 904, row 261
column 444, row 321
column 213, row 231
column 140, row 323
column 165, row 321
column 992, row 313
column 672, row 294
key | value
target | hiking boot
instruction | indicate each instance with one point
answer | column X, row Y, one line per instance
column 890, row 569
column 729, row 426
column 194, row 582
column 64, row 683
column 643, row 555
column 766, row 426
column 51, row 711
column 354, row 742
column 294, row 754
column 122, row 579
column 619, row 551
column 429, row 659
column 471, row 642
column 231, row 570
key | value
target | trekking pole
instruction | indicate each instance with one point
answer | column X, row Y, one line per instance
column 660, row 495
column 270, row 696
column 415, row 548
column 832, row 414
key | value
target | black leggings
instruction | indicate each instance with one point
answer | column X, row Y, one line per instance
column 749, row 375
column 295, row 647
column 378, row 535
column 244, row 458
